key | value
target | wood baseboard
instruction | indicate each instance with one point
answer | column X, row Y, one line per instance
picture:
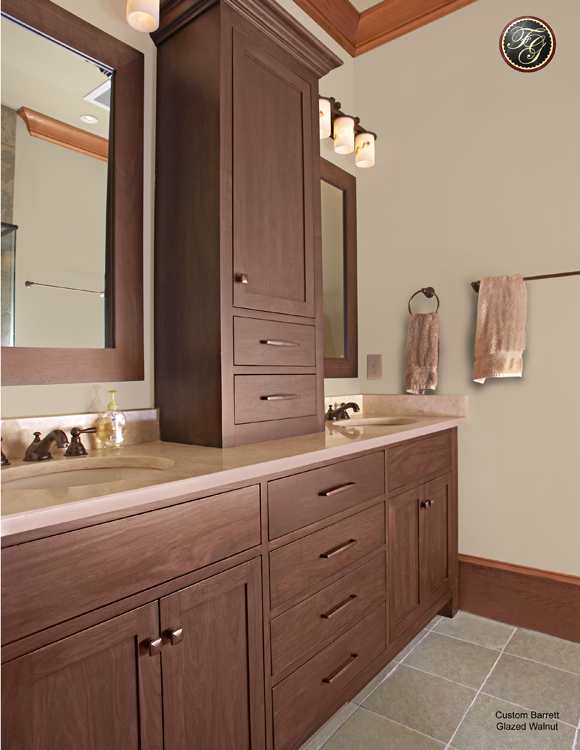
column 517, row 595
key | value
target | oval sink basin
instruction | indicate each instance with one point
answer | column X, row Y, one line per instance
column 62, row 475
column 375, row 421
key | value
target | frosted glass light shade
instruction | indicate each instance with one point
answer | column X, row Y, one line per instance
column 142, row 15
column 365, row 150
column 344, row 135
column 325, row 123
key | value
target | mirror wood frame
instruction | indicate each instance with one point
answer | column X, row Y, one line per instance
column 347, row 366
column 123, row 358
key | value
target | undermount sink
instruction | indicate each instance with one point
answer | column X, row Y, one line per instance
column 70, row 473
column 375, row 421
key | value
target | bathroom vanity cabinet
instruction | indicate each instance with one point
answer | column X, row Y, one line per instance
column 240, row 619
column 238, row 307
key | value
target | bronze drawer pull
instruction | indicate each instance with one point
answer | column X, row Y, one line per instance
column 341, row 669
column 337, row 490
column 281, row 397
column 274, row 342
column 342, row 605
column 339, row 549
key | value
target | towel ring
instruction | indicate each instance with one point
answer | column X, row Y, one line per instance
column 429, row 292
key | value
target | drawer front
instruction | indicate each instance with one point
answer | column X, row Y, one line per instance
column 327, row 613
column 302, row 499
column 268, row 342
column 298, row 566
column 408, row 463
column 260, row 398
column 301, row 696
column 52, row 580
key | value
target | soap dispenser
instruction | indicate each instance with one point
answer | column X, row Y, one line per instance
column 112, row 426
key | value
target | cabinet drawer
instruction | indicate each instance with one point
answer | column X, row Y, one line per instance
column 327, row 613
column 268, row 342
column 300, row 697
column 304, row 563
column 302, row 499
column 408, row 463
column 52, row 580
column 259, row 398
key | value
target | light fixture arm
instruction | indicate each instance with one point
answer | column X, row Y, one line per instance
column 335, row 111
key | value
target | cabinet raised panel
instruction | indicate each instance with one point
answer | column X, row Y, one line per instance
column 213, row 677
column 273, row 230
column 96, row 690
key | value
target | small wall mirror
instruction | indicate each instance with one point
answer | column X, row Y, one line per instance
column 72, row 200
column 339, row 271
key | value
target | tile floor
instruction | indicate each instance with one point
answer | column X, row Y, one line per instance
column 446, row 689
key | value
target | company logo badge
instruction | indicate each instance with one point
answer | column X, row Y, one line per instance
column 527, row 44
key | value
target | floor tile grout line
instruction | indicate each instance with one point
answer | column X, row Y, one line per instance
column 431, row 674
column 415, row 646
column 517, row 705
column 340, row 727
column 480, row 689
column 386, row 718
column 464, row 640
column 543, row 664
column 377, row 686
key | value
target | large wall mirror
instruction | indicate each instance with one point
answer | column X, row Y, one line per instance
column 338, row 200
column 72, row 200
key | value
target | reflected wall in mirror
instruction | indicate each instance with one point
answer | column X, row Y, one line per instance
column 53, row 190
column 339, row 271
column 80, row 219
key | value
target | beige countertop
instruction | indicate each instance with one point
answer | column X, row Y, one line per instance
column 198, row 469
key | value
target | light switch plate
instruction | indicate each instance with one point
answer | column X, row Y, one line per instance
column 374, row 366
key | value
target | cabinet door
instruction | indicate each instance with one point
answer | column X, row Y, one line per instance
column 405, row 536
column 273, row 197
column 213, row 674
column 97, row 690
column 436, row 539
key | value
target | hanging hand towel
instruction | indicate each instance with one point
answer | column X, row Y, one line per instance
column 422, row 353
column 500, row 337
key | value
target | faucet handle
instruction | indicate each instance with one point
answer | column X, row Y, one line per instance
column 76, row 448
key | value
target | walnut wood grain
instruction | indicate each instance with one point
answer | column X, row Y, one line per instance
column 299, row 565
column 51, row 580
column 213, row 679
column 298, row 698
column 526, row 597
column 271, row 343
column 61, row 134
column 299, row 500
column 327, row 614
column 98, row 688
column 262, row 398
column 123, row 358
column 408, row 463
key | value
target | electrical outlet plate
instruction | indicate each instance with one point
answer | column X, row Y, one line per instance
column 374, row 366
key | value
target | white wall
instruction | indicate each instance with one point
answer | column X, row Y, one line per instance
column 478, row 173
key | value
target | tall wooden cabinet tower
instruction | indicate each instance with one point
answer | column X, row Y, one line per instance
column 238, row 293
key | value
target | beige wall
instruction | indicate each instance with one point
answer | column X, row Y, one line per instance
column 478, row 173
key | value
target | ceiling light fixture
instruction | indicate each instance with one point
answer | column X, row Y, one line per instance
column 89, row 119
column 347, row 132
column 142, row 15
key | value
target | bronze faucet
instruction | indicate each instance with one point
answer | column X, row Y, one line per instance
column 76, row 448
column 39, row 450
column 341, row 413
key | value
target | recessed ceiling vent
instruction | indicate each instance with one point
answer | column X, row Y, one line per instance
column 101, row 96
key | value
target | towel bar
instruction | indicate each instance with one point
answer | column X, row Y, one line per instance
column 475, row 284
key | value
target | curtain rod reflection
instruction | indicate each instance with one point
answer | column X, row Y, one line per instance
column 30, row 284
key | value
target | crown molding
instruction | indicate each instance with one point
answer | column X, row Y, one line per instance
column 55, row 131
column 358, row 33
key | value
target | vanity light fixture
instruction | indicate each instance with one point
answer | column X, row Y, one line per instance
column 89, row 119
column 142, row 15
column 365, row 149
column 325, row 117
column 347, row 132
column 344, row 135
